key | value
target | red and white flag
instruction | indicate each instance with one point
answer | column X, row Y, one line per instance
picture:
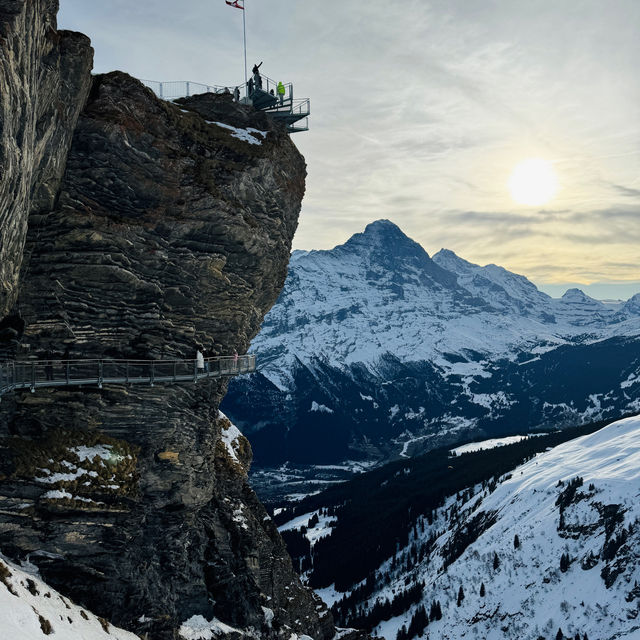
column 238, row 4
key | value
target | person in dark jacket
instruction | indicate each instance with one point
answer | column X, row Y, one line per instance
column 256, row 75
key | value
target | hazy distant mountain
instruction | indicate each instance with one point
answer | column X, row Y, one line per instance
column 374, row 349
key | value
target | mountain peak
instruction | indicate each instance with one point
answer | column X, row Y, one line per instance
column 632, row 305
column 382, row 232
column 575, row 294
column 383, row 237
column 451, row 261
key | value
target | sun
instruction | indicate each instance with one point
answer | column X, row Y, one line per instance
column 533, row 182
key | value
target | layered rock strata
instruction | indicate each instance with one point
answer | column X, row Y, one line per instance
column 44, row 81
column 171, row 231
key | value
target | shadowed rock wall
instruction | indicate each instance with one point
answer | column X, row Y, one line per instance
column 44, row 80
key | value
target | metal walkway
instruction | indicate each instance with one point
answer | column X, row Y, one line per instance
column 293, row 112
column 34, row 374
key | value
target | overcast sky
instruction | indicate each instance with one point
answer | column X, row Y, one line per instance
column 421, row 109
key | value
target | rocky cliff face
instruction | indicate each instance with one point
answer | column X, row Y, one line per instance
column 44, row 80
column 171, row 230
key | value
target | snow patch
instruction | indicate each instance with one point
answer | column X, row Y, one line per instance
column 320, row 407
column 250, row 135
column 199, row 628
column 230, row 437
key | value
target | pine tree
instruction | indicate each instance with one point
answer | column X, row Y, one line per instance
column 559, row 635
column 564, row 562
column 482, row 590
column 496, row 561
column 402, row 633
column 460, row 595
column 516, row 542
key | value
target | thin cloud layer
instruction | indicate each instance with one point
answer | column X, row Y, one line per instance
column 420, row 111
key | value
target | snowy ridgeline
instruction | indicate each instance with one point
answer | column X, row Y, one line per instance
column 381, row 293
column 555, row 545
column 490, row 444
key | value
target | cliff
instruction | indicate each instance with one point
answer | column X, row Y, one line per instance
column 44, row 80
column 171, row 229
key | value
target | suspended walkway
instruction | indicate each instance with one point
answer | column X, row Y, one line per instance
column 34, row 374
column 262, row 95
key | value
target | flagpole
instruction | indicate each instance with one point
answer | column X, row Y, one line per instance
column 244, row 33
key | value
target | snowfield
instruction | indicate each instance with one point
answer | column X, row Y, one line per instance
column 490, row 444
column 29, row 609
column 576, row 512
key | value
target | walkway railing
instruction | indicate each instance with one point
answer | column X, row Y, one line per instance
column 262, row 95
column 62, row 373
column 172, row 89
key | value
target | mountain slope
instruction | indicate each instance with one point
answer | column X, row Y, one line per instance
column 375, row 350
column 554, row 544
column 30, row 610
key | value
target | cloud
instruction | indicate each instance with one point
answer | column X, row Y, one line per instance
column 421, row 109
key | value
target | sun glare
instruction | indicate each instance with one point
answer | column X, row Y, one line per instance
column 533, row 182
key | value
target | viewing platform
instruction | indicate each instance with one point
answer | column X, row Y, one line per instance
column 294, row 112
column 34, row 374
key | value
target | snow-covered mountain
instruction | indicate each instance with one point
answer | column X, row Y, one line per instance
column 549, row 550
column 375, row 349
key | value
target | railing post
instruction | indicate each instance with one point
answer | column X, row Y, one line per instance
column 33, row 377
column 195, row 371
column 175, row 369
column 68, row 371
column 187, row 88
column 100, row 372
column 126, row 372
column 160, row 89
column 153, row 371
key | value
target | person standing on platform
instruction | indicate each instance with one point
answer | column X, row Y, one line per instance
column 256, row 75
column 281, row 91
column 199, row 361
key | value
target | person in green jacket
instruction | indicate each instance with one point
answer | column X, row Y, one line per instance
column 281, row 91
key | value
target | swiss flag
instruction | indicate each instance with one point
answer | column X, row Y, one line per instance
column 236, row 3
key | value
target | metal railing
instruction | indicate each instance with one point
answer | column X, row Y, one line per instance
column 181, row 88
column 259, row 91
column 184, row 88
column 62, row 373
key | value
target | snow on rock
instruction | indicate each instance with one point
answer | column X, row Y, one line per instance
column 320, row 407
column 199, row 628
column 230, row 436
column 30, row 609
column 319, row 530
column 268, row 616
column 249, row 134
column 102, row 451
